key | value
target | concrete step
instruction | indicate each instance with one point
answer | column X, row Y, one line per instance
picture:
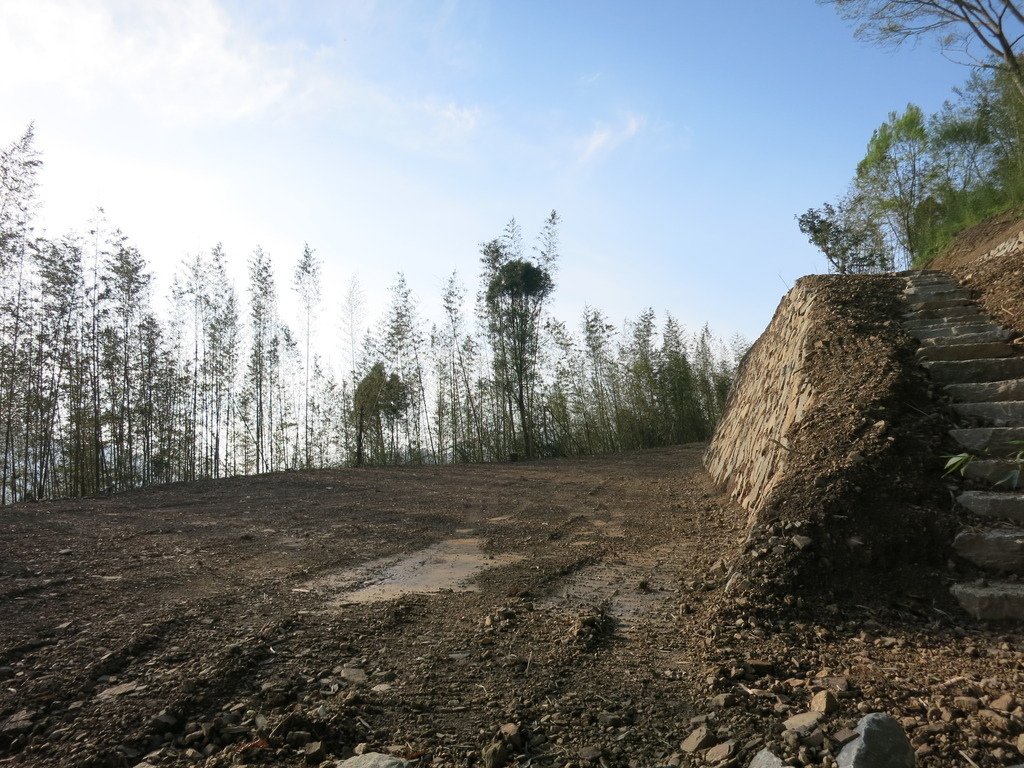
column 1011, row 389
column 969, row 338
column 945, row 330
column 970, row 310
column 940, row 301
column 1002, row 474
column 997, row 601
column 996, row 549
column 999, row 441
column 966, row 351
column 975, row 371
column 1002, row 414
column 998, row 505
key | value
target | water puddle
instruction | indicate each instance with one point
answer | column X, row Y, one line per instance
column 446, row 566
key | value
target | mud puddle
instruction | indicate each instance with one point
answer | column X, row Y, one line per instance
column 448, row 566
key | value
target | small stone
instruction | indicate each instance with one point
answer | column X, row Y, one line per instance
column 697, row 740
column 353, row 675
column 298, row 738
column 803, row 723
column 815, row 738
column 844, row 736
column 802, row 542
column 824, row 702
column 1020, row 743
column 609, row 718
column 361, row 748
column 495, row 755
column 590, row 753
column 994, row 720
column 836, row 683
column 966, row 703
column 765, row 759
column 314, row 752
column 1004, row 703
column 720, row 752
column 724, row 700
column 881, row 743
column 372, row 760
column 512, row 735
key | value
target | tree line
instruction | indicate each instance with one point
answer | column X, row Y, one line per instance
column 924, row 178
column 99, row 393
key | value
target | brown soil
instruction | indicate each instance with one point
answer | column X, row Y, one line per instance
column 208, row 624
column 998, row 281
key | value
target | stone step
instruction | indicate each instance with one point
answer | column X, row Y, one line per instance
column 1002, row 474
column 969, row 338
column 998, row 505
column 931, row 280
column 1000, row 414
column 975, row 371
column 936, row 293
column 966, row 351
column 1011, row 389
column 996, row 549
column 939, row 302
column 1001, row 441
column 943, row 330
column 971, row 310
column 996, row 601
column 916, row 277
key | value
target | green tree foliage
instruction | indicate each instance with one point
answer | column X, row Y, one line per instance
column 848, row 236
column 924, row 178
column 895, row 178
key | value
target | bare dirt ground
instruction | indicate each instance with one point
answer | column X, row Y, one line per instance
column 213, row 620
column 276, row 620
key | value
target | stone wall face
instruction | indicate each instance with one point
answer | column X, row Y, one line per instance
column 750, row 449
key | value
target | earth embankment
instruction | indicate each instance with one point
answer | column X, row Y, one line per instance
column 831, row 441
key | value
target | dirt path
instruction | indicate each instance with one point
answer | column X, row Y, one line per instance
column 282, row 619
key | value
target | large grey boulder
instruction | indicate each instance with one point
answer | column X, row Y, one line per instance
column 881, row 743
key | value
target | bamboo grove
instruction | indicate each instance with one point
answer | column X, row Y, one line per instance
column 100, row 394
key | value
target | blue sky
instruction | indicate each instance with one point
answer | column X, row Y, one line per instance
column 676, row 139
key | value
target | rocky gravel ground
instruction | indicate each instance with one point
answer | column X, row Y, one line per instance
column 214, row 624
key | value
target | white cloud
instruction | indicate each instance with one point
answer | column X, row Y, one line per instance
column 183, row 61
column 604, row 138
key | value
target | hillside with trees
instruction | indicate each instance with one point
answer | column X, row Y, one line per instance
column 926, row 177
column 103, row 393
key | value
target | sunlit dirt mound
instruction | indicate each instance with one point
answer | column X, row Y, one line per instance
column 989, row 258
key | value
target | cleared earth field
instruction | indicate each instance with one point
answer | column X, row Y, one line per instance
column 287, row 618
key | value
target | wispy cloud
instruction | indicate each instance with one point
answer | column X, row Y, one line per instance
column 604, row 138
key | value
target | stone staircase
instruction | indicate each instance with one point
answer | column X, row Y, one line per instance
column 965, row 350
